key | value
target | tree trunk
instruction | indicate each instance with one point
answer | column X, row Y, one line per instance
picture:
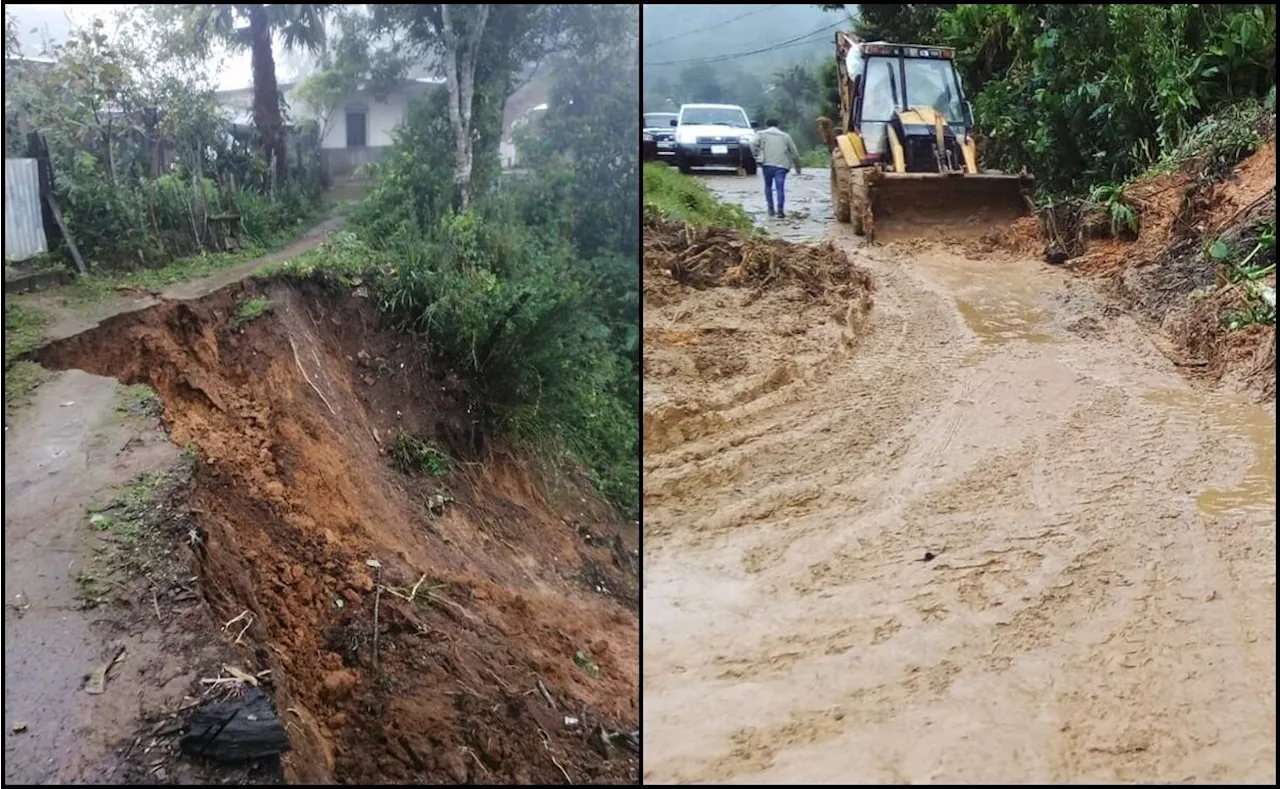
column 461, row 49
column 266, row 93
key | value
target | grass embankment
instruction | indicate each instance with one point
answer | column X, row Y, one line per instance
column 23, row 330
column 25, row 325
column 682, row 198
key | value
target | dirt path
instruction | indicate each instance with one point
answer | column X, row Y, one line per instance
column 68, row 321
column 71, row 447
column 1001, row 541
column 68, row 450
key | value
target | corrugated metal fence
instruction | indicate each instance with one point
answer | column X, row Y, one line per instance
column 23, row 222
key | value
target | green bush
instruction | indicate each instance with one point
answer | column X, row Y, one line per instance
column 679, row 197
column 508, row 308
column 413, row 455
column 1083, row 95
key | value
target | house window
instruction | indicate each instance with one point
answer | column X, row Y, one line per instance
column 357, row 126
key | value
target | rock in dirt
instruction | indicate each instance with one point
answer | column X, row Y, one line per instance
column 236, row 731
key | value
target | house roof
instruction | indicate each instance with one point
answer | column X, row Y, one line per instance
column 288, row 85
column 31, row 59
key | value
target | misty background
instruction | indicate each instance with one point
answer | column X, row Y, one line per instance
column 38, row 24
column 774, row 60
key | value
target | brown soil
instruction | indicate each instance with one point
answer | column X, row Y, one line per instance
column 825, row 297
column 996, row 540
column 1156, row 272
column 291, row 416
column 700, row 257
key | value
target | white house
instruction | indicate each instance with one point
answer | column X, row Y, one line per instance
column 357, row 131
column 507, row 147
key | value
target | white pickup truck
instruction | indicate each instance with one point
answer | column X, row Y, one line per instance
column 714, row 135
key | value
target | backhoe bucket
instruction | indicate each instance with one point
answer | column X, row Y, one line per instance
column 915, row 205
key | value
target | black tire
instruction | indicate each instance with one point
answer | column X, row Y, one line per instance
column 750, row 167
column 684, row 166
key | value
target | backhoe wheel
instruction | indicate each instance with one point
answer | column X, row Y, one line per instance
column 840, row 186
column 860, row 202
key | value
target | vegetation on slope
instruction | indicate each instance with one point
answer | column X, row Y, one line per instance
column 530, row 292
column 678, row 197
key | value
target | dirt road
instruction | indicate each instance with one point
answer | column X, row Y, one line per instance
column 1000, row 540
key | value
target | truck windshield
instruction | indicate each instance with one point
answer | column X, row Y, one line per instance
column 714, row 116
column 932, row 83
column 652, row 120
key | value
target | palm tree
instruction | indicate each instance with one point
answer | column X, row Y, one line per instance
column 253, row 27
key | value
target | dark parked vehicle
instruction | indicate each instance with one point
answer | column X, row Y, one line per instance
column 658, row 137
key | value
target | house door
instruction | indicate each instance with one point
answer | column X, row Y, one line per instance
column 357, row 126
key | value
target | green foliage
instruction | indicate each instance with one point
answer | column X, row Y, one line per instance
column 415, row 178
column 343, row 260
column 413, row 455
column 681, row 198
column 818, row 158
column 1248, row 272
column 249, row 310
column 110, row 110
column 585, row 150
column 531, row 294
column 1122, row 216
column 23, row 329
column 20, row 380
column 1225, row 137
column 1089, row 94
column 912, row 23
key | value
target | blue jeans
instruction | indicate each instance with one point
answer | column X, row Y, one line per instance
column 775, row 177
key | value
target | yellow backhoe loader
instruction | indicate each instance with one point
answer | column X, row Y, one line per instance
column 904, row 161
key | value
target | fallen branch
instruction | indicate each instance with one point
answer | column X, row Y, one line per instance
column 546, row 694
column 243, row 615
column 546, row 743
column 307, row 378
column 377, row 599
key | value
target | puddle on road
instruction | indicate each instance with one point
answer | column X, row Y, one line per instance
column 1257, row 491
column 1004, row 322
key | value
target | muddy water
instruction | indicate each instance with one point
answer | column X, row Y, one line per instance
column 1245, row 422
column 1003, row 321
column 979, row 549
column 808, row 201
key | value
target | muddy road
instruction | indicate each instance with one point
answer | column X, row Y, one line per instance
column 999, row 540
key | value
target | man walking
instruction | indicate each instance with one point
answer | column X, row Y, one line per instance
column 775, row 152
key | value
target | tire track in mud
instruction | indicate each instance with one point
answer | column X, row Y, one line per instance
column 1079, row 617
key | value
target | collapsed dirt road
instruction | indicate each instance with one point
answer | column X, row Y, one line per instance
column 994, row 538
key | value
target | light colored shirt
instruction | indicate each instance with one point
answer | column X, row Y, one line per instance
column 772, row 147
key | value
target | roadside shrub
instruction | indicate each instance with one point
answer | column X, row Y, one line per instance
column 681, row 198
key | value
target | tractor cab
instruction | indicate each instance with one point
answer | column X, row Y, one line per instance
column 903, row 153
column 905, row 103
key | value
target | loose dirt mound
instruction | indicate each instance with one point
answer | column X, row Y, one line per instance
column 522, row 609
column 706, row 257
column 1181, row 214
column 709, row 349
column 1158, row 269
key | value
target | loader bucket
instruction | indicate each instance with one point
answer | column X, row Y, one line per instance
column 929, row 205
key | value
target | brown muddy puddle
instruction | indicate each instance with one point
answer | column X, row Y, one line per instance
column 1257, row 490
column 996, row 323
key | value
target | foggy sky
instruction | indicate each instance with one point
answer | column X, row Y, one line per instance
column 57, row 20
column 676, row 34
